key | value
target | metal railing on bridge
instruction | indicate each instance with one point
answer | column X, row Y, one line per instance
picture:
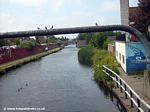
column 129, row 93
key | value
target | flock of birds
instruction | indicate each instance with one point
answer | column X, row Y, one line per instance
column 52, row 26
column 45, row 28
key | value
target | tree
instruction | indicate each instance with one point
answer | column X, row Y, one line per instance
column 4, row 42
column 52, row 39
column 142, row 19
column 85, row 36
column 27, row 45
column 98, row 40
column 17, row 42
column 81, row 36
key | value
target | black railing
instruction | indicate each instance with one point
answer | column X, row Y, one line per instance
column 130, row 94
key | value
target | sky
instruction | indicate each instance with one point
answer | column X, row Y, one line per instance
column 18, row 15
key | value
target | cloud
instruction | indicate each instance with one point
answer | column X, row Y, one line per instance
column 109, row 6
column 59, row 13
column 28, row 2
column 10, row 23
column 56, row 4
column 53, row 5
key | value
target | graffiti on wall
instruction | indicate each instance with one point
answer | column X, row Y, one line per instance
column 135, row 57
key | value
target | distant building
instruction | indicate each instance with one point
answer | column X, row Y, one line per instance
column 133, row 11
column 111, row 38
column 121, row 37
column 131, row 56
column 64, row 42
column 81, row 43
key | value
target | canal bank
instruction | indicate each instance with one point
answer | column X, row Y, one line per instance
column 18, row 63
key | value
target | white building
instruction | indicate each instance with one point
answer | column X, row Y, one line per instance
column 121, row 54
column 131, row 56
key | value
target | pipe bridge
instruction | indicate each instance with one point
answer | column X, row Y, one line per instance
column 86, row 29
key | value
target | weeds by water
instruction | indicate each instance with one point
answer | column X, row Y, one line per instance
column 96, row 57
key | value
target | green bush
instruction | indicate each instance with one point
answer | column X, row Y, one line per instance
column 85, row 54
column 97, row 58
column 102, row 57
column 27, row 45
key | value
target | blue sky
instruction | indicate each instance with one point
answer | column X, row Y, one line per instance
column 28, row 14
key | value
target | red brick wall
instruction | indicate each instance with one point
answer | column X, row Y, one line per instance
column 22, row 53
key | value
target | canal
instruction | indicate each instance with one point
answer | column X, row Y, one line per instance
column 56, row 83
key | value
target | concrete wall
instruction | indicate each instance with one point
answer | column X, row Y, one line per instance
column 147, row 83
column 111, row 48
column 124, row 9
column 135, row 57
column 120, row 50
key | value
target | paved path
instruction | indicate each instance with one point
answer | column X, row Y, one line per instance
column 136, row 83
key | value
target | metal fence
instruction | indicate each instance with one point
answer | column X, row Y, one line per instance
column 129, row 93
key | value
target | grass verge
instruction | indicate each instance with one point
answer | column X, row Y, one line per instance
column 17, row 63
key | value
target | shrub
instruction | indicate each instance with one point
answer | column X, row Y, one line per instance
column 102, row 57
column 85, row 54
column 27, row 45
column 97, row 58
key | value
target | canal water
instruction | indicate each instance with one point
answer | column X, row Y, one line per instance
column 56, row 83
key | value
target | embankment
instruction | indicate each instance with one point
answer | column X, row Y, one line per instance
column 97, row 59
column 17, row 63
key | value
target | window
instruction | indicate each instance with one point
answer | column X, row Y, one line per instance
column 120, row 56
column 123, row 59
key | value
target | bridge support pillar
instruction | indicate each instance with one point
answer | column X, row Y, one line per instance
column 147, row 83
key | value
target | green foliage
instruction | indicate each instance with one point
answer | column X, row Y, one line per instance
column 17, row 42
column 91, row 56
column 85, row 36
column 102, row 57
column 85, row 54
column 52, row 39
column 27, row 45
column 105, row 44
column 98, row 40
column 37, row 41
column 4, row 42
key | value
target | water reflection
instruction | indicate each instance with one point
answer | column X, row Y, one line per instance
column 109, row 95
